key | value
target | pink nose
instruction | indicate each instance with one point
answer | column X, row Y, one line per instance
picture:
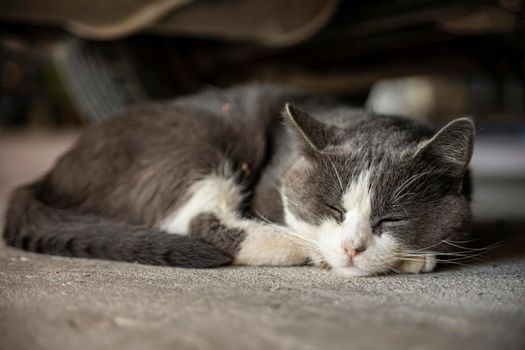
column 352, row 252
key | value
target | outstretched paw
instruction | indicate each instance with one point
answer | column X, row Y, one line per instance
column 425, row 263
column 208, row 228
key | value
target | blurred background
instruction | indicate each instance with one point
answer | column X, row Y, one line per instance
column 66, row 64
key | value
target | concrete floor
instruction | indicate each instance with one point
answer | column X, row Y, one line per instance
column 59, row 303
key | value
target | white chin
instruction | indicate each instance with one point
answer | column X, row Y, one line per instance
column 351, row 271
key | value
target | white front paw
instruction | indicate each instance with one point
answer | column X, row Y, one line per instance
column 425, row 263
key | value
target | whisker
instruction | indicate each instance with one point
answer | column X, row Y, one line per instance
column 449, row 242
column 397, row 199
column 430, row 252
column 462, row 241
column 407, row 183
column 437, row 260
column 426, row 248
column 492, row 246
column 467, row 254
column 336, row 172
column 307, row 242
column 461, row 258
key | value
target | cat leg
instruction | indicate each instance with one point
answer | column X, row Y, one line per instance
column 251, row 242
column 211, row 214
column 423, row 264
column 212, row 194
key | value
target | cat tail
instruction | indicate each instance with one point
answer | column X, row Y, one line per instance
column 35, row 226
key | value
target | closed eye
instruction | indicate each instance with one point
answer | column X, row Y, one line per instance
column 337, row 213
column 388, row 221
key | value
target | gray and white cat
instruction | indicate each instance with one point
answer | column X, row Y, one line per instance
column 253, row 175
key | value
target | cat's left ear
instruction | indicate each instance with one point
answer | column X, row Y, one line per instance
column 311, row 133
column 451, row 147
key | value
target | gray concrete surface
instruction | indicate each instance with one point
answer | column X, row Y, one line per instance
column 59, row 303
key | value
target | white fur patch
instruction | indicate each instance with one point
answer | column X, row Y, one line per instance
column 356, row 201
column 263, row 244
column 426, row 263
column 215, row 194
column 266, row 245
column 355, row 231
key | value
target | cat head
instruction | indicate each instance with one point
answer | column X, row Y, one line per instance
column 377, row 192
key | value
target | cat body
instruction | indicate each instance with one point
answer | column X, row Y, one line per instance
column 253, row 175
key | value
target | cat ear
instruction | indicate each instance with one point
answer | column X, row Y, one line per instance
column 451, row 147
column 312, row 133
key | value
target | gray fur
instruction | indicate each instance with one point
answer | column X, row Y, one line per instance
column 208, row 228
column 31, row 225
column 103, row 197
column 431, row 208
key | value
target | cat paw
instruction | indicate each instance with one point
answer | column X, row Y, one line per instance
column 423, row 264
column 314, row 259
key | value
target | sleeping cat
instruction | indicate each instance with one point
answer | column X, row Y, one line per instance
column 253, row 175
